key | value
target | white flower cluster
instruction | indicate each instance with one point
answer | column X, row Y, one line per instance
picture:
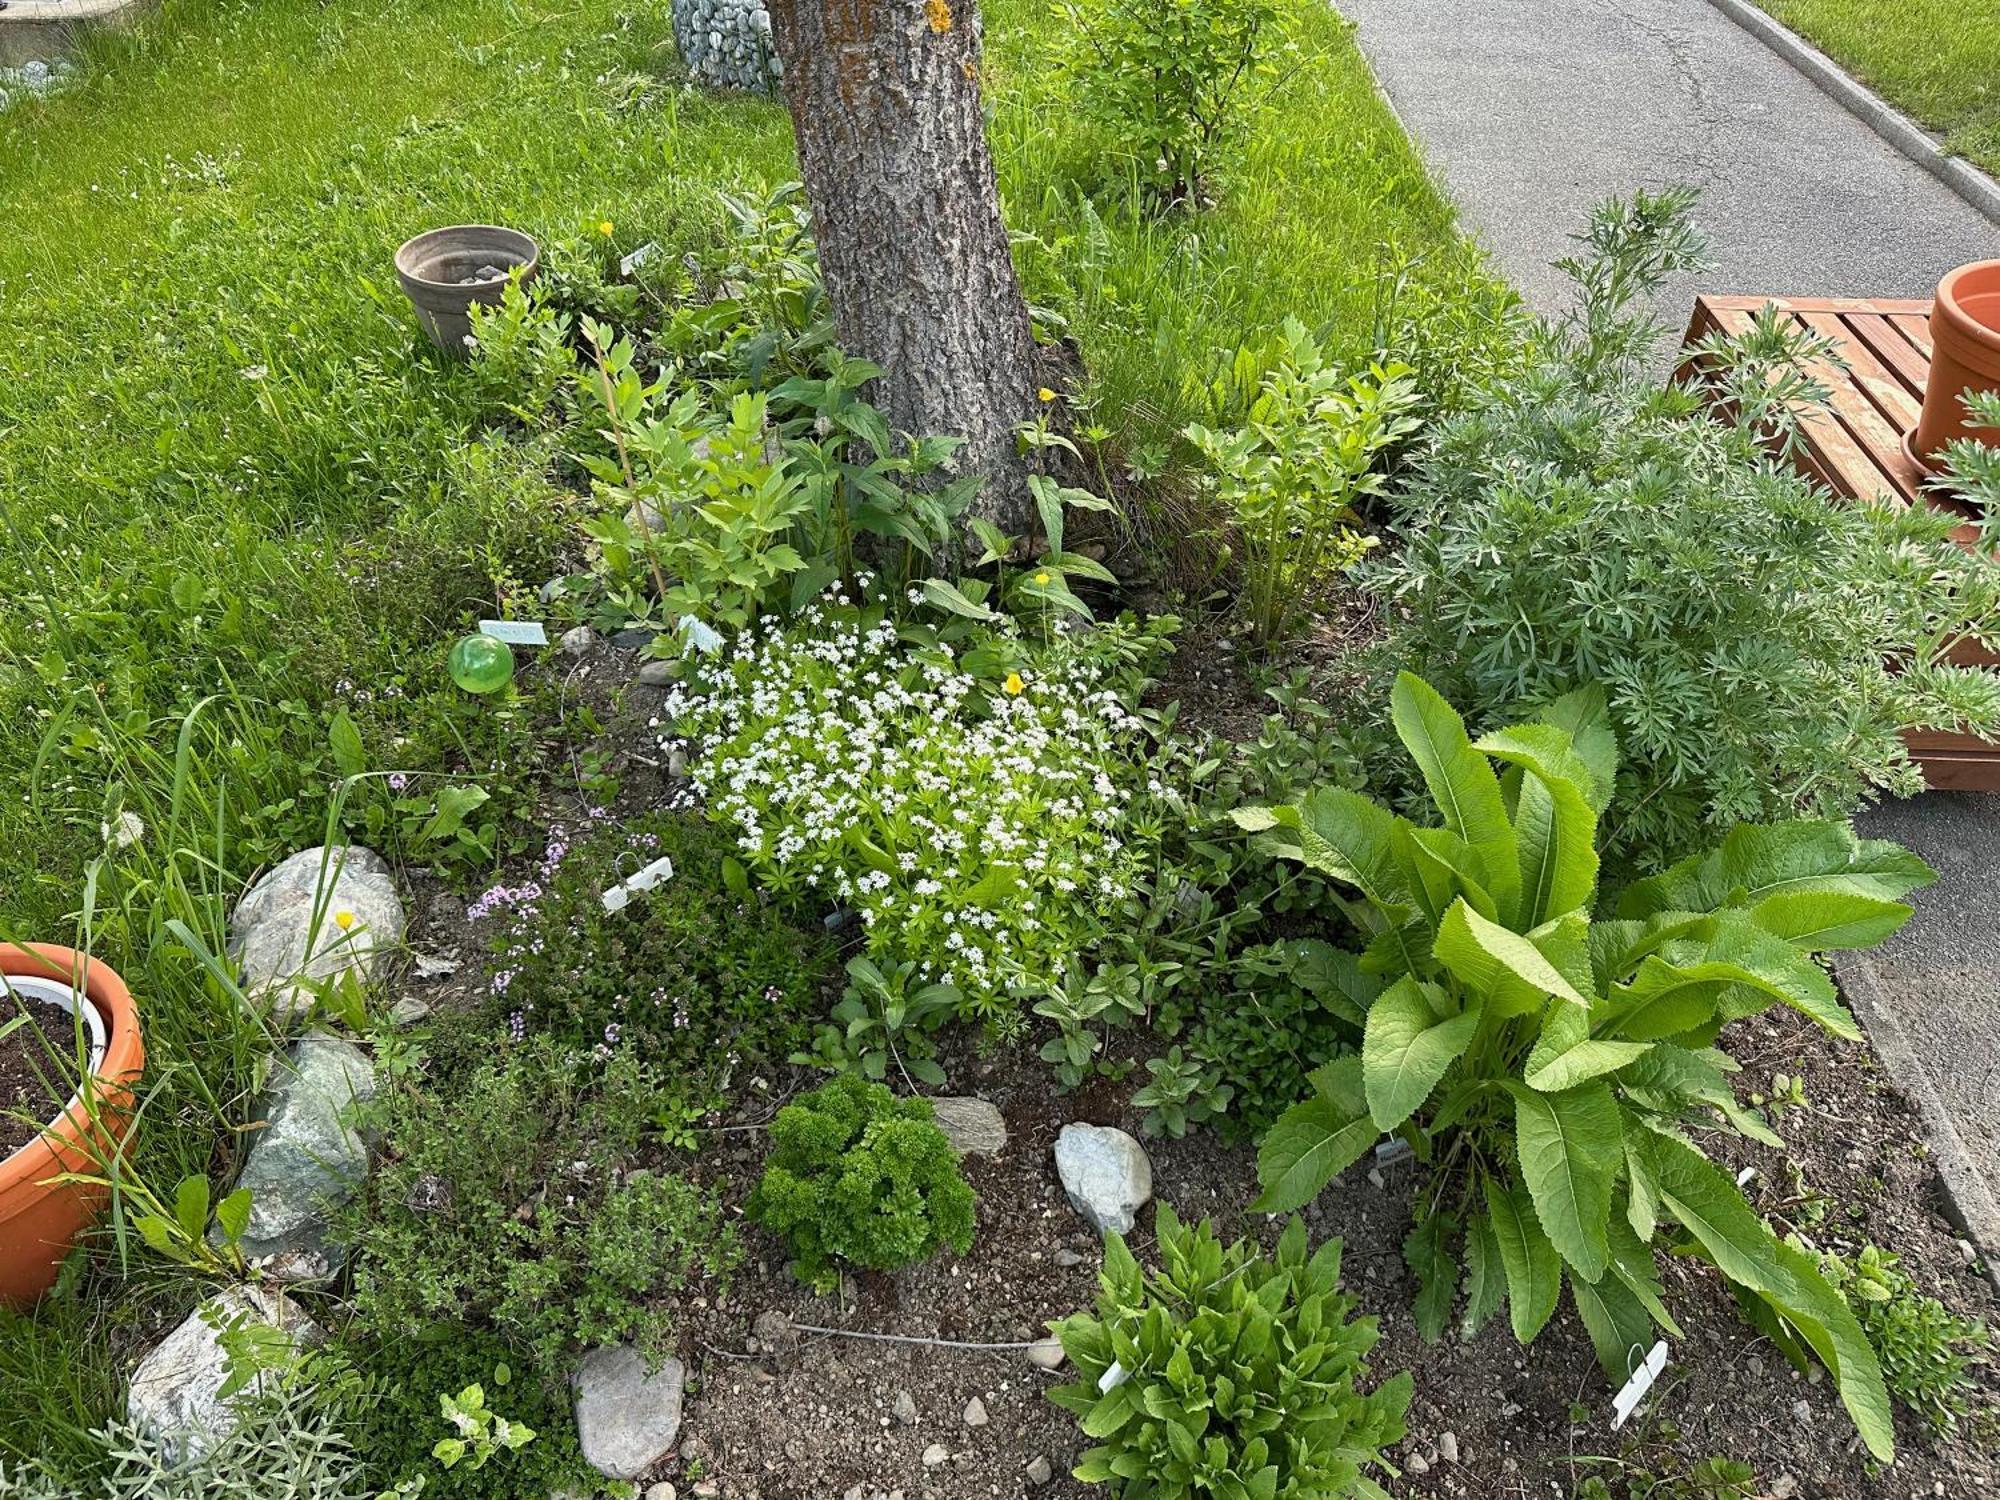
column 973, row 825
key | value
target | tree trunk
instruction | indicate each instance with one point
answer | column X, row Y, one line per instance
column 884, row 97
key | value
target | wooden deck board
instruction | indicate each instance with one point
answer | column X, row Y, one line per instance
column 1855, row 449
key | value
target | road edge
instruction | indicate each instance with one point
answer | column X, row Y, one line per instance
column 1880, row 116
column 1969, row 1203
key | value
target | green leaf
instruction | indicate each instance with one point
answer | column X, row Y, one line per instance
column 1758, row 861
column 1337, row 832
column 1556, row 836
column 1534, row 1271
column 1485, row 1275
column 948, row 597
column 1620, row 1328
column 1819, row 921
column 735, row 879
column 191, row 1205
column 1314, row 1141
column 454, row 805
column 1743, row 953
column 1571, row 1146
column 1705, row 1202
column 1406, row 1049
column 1586, row 716
column 1565, row 1054
column 1483, row 955
column 1426, row 1251
column 345, row 741
column 1461, row 782
column 232, row 1215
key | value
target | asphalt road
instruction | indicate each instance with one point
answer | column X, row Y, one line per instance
column 1531, row 111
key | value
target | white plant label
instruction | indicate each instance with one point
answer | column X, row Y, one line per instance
column 619, row 896
column 1634, row 1391
column 1112, row 1378
column 1393, row 1150
column 516, row 632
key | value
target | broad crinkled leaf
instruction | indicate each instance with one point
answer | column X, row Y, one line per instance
column 1620, row 1328
column 1704, row 1201
column 1586, row 715
column 1485, row 1275
column 1759, row 860
column 1427, row 1252
column 1556, row 842
column 1315, row 1140
column 1534, row 1270
column 1740, row 951
column 1566, row 1054
column 1820, row 921
column 1483, row 955
column 1571, row 1146
column 1407, row 1047
column 1461, row 782
column 1337, row 832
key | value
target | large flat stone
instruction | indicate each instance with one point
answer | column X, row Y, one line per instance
column 319, row 914
column 627, row 1417
column 175, row 1394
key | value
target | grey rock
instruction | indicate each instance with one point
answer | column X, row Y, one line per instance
column 905, row 1408
column 1106, row 1174
column 633, row 638
column 661, row 1491
column 1068, row 1259
column 553, row 590
column 627, row 1417
column 975, row 1413
column 658, row 673
column 321, row 913
column 1416, row 1463
column 34, row 72
column 973, row 1126
column 1039, row 1471
column 578, row 640
column 1448, row 1447
column 1047, row 1354
column 175, row 1394
column 307, row 1160
column 936, row 1454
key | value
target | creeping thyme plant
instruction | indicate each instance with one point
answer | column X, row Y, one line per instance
column 967, row 806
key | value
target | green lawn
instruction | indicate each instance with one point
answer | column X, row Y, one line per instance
column 233, row 484
column 1939, row 60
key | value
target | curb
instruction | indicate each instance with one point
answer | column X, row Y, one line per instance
column 1888, row 122
column 1968, row 1201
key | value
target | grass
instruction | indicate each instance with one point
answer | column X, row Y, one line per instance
column 240, row 503
column 1939, row 60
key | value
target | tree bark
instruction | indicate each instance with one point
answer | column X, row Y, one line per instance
column 885, row 102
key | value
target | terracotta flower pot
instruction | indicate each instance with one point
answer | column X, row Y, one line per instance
column 40, row 1220
column 445, row 271
column 1965, row 340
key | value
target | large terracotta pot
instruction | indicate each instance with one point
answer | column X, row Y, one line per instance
column 1965, row 340
column 40, row 1220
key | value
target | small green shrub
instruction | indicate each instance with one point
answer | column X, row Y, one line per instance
column 1545, row 1051
column 1929, row 1354
column 1227, row 1374
column 1172, row 83
column 698, row 976
column 857, row 1175
column 1762, row 645
column 1290, row 476
column 397, row 1429
column 505, row 1201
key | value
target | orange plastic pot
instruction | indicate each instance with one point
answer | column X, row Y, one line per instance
column 1965, row 355
column 41, row 1218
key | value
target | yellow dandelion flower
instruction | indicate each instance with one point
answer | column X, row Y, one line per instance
column 1042, row 578
column 343, row 919
column 1013, row 684
column 604, row 227
column 1045, row 395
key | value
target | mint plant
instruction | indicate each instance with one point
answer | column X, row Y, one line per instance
column 1227, row 1373
column 1547, row 1054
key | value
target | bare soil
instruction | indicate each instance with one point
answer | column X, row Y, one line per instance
column 35, row 1079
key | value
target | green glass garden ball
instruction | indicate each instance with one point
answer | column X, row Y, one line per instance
column 480, row 664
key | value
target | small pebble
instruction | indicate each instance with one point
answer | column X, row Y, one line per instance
column 1448, row 1447
column 975, row 1413
column 906, row 1408
column 1783, row 1487
column 1046, row 1354
column 936, row 1454
column 1802, row 1413
column 1067, row 1258
column 1416, row 1463
column 662, row 1491
column 1040, row 1471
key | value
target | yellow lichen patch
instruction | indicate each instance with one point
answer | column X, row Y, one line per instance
column 938, row 12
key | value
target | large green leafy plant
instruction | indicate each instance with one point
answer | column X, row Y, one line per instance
column 1227, row 1374
column 1762, row 645
column 1548, row 1056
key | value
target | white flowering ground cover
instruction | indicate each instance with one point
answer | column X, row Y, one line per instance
column 970, row 821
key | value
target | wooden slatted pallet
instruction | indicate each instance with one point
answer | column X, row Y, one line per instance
column 1855, row 448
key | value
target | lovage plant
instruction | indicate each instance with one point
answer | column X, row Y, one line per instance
column 1548, row 1055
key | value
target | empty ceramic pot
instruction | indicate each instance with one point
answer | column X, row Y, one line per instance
column 445, row 271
